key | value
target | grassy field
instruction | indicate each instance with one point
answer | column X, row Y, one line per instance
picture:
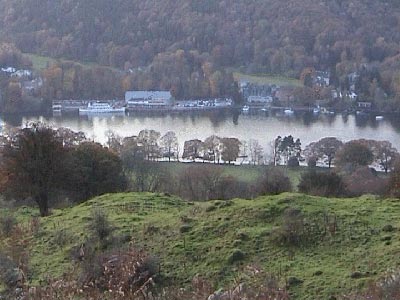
column 244, row 173
column 214, row 230
column 268, row 79
column 42, row 62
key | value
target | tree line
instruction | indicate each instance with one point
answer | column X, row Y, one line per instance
column 44, row 164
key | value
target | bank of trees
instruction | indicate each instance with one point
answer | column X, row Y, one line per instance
column 38, row 163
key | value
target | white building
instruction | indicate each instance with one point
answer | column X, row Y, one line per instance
column 259, row 99
column 148, row 99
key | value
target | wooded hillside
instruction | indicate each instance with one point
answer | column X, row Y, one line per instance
column 257, row 36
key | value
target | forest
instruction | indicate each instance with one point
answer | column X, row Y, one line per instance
column 176, row 44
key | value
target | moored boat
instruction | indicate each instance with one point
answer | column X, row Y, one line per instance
column 100, row 107
column 288, row 111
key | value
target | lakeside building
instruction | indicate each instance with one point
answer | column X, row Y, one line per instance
column 148, row 99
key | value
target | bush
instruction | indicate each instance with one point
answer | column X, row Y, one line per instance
column 327, row 184
column 61, row 237
column 293, row 162
column 394, row 183
column 312, row 162
column 365, row 181
column 273, row 182
column 291, row 232
column 100, row 225
column 9, row 272
column 236, row 255
column 7, row 224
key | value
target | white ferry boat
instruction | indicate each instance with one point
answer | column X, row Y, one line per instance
column 100, row 107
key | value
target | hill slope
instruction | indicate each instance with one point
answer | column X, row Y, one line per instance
column 199, row 238
column 279, row 36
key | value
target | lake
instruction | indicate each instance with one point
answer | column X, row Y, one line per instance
column 264, row 128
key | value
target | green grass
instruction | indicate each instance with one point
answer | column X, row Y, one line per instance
column 217, row 228
column 42, row 62
column 245, row 173
column 268, row 79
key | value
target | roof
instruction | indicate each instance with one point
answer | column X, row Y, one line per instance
column 147, row 95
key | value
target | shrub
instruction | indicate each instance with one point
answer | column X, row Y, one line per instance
column 394, row 183
column 100, row 225
column 312, row 162
column 236, row 255
column 7, row 224
column 293, row 162
column 365, row 180
column 185, row 228
column 291, row 232
column 9, row 272
column 327, row 184
column 61, row 237
column 273, row 182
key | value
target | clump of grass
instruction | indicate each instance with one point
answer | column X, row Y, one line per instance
column 7, row 224
column 236, row 255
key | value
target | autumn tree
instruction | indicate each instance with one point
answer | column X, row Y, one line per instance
column 325, row 148
column 353, row 154
column 13, row 97
column 384, row 153
column 192, row 149
column 200, row 182
column 230, row 149
column 212, row 146
column 149, row 139
column 32, row 160
column 70, row 138
column 94, row 170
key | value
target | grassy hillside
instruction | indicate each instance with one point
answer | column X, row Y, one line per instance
column 199, row 238
column 268, row 79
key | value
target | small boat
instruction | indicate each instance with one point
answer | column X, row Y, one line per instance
column 100, row 107
column 57, row 108
column 316, row 110
column 326, row 111
column 379, row 118
column 288, row 111
column 245, row 109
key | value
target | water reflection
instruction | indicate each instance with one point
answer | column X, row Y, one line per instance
column 261, row 126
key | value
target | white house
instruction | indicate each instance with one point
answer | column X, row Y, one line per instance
column 259, row 99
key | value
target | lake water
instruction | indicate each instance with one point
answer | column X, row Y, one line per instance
column 225, row 124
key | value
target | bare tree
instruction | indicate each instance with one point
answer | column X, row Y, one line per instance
column 114, row 141
column 169, row 144
column 256, row 152
column 149, row 139
column 212, row 145
column 243, row 154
